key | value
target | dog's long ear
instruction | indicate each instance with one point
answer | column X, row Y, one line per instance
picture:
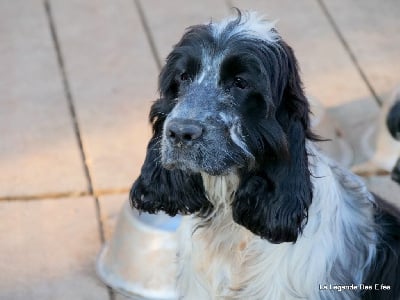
column 272, row 201
column 393, row 119
column 157, row 188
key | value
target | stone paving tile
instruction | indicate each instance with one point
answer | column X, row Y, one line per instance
column 39, row 153
column 167, row 20
column 113, row 81
column 371, row 29
column 328, row 73
column 48, row 250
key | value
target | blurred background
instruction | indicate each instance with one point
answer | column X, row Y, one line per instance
column 77, row 78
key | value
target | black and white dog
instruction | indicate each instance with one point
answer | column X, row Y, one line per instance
column 393, row 124
column 267, row 215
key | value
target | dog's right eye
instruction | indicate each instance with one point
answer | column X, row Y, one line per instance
column 185, row 76
column 240, row 83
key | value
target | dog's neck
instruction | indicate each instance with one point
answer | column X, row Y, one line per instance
column 220, row 191
column 219, row 224
column 217, row 241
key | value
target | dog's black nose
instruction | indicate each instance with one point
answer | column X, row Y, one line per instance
column 183, row 131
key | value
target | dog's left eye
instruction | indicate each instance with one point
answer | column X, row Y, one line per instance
column 185, row 76
column 240, row 82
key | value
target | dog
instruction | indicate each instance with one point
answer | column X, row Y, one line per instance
column 393, row 125
column 266, row 215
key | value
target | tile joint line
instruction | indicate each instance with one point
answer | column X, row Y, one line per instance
column 68, row 94
column 148, row 33
column 67, row 91
column 71, row 194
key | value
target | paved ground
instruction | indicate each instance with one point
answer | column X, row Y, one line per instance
column 76, row 82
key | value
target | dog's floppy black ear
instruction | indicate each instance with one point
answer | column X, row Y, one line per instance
column 393, row 124
column 393, row 120
column 172, row 191
column 272, row 201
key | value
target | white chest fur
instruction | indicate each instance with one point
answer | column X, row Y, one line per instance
column 211, row 249
column 219, row 259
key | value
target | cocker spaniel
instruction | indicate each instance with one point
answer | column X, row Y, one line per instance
column 267, row 216
column 393, row 124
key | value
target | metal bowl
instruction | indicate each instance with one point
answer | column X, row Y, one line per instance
column 140, row 259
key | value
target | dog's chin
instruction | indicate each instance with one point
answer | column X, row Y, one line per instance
column 191, row 167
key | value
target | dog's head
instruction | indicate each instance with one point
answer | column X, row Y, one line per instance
column 231, row 101
column 393, row 124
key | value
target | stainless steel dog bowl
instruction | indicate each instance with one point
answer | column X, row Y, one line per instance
column 139, row 260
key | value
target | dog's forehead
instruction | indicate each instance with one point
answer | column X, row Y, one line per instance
column 209, row 72
column 249, row 23
column 226, row 34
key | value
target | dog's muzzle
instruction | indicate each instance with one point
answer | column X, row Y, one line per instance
column 197, row 133
column 182, row 141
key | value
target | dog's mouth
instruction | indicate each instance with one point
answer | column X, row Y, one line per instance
column 205, row 156
column 180, row 159
column 172, row 163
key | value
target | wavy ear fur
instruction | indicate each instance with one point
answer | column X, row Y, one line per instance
column 273, row 200
column 393, row 125
column 393, row 120
column 174, row 192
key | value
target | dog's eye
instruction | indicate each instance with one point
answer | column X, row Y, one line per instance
column 185, row 76
column 240, row 83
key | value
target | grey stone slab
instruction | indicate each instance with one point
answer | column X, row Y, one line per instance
column 113, row 82
column 327, row 71
column 372, row 31
column 48, row 249
column 39, row 153
column 168, row 20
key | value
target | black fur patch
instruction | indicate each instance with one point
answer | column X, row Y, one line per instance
column 393, row 120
